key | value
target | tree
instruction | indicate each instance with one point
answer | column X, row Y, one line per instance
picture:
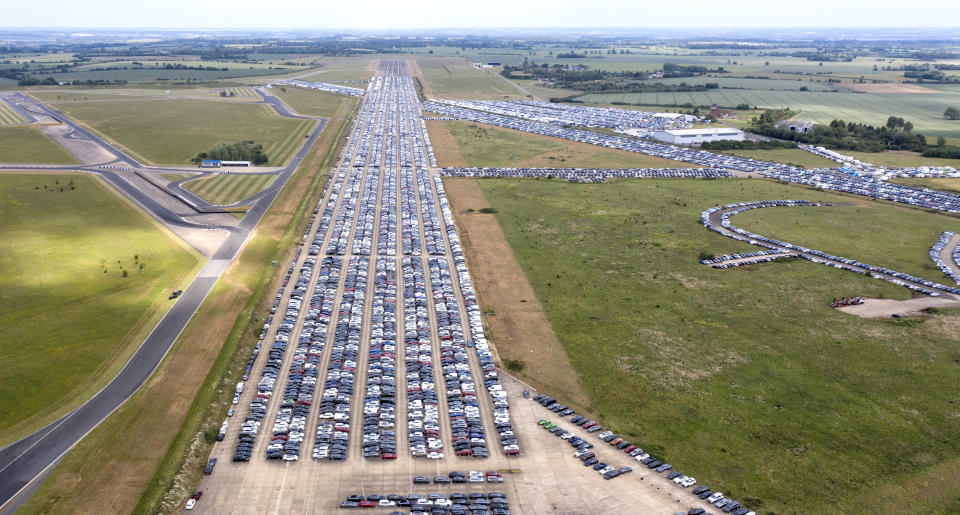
column 941, row 141
column 952, row 113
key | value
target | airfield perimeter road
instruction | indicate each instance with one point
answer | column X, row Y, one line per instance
column 544, row 478
column 24, row 463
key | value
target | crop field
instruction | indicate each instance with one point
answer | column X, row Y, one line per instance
column 27, row 145
column 472, row 144
column 8, row 116
column 925, row 110
column 811, row 411
column 228, row 189
column 172, row 132
column 86, row 278
column 309, row 102
column 446, row 77
column 756, row 84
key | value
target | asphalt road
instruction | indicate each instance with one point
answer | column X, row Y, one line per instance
column 25, row 463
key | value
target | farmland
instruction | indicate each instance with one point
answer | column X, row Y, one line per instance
column 88, row 278
column 445, row 77
column 173, row 131
column 470, row 144
column 27, row 145
column 810, row 412
column 228, row 189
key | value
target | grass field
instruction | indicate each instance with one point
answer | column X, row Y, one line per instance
column 241, row 94
column 177, row 176
column 70, row 318
column 471, row 144
column 309, row 102
column 453, row 77
column 793, row 156
column 27, row 145
column 8, row 116
column 746, row 377
column 172, row 132
column 925, row 110
column 192, row 387
column 228, row 189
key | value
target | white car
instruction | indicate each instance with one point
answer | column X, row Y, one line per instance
column 191, row 503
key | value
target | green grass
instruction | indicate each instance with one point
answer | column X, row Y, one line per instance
column 69, row 317
column 172, row 132
column 8, row 116
column 27, row 145
column 309, row 102
column 177, row 176
column 793, row 156
column 227, row 189
column 746, row 377
column 452, row 77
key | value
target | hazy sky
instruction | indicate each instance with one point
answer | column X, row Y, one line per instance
column 394, row 14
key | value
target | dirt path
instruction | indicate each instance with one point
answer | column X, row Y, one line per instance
column 516, row 321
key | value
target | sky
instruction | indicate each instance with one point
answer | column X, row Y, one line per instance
column 414, row 14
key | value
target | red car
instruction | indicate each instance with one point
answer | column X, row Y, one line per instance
column 388, row 456
column 464, row 452
column 367, row 504
column 629, row 448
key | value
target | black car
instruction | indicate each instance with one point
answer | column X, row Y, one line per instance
column 209, row 468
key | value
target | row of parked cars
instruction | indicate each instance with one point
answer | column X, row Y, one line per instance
column 379, row 402
column 478, row 340
column 589, row 458
column 319, row 317
column 423, row 404
column 463, row 406
column 719, row 260
column 579, row 115
column 562, row 131
column 915, row 284
column 324, row 86
column 830, row 179
column 590, row 175
column 955, row 254
column 476, row 503
column 473, row 476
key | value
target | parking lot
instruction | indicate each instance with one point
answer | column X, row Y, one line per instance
column 374, row 367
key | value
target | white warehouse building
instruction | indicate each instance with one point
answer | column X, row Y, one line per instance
column 697, row 136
